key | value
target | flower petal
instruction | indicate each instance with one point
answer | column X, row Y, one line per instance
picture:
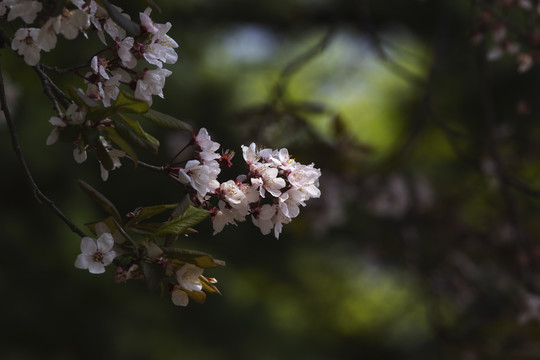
column 88, row 245
column 82, row 261
column 105, row 242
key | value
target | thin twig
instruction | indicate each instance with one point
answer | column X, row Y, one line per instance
column 16, row 147
column 159, row 169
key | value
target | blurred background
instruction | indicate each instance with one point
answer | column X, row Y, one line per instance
column 423, row 245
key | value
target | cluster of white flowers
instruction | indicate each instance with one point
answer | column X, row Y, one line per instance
column 202, row 172
column 272, row 191
column 108, row 70
column 152, row 44
column 502, row 39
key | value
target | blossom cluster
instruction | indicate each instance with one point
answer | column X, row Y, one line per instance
column 271, row 192
column 503, row 37
column 107, row 72
column 96, row 254
column 117, row 64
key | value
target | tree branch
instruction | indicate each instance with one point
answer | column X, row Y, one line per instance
column 16, row 147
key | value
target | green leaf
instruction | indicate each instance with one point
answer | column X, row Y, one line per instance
column 130, row 104
column 167, row 121
column 153, row 275
column 99, row 113
column 145, row 228
column 69, row 133
column 122, row 143
column 147, row 212
column 127, row 24
column 104, row 157
column 178, row 225
column 105, row 203
column 132, row 132
column 201, row 259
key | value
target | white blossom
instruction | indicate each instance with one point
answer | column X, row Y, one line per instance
column 58, row 123
column 208, row 147
column 102, row 22
column 79, row 155
column 47, row 36
column 179, row 297
column 124, row 53
column 160, row 48
column 115, row 155
column 263, row 219
column 25, row 9
column 96, row 254
column 188, row 277
column 202, row 177
column 72, row 22
column 152, row 83
column 25, row 42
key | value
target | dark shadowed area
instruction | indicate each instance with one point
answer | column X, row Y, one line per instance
column 423, row 117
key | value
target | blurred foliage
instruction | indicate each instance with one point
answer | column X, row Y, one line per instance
column 423, row 245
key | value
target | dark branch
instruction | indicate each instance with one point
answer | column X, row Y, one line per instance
column 16, row 147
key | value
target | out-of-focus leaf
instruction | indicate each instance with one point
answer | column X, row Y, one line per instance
column 167, row 121
column 178, row 225
column 145, row 228
column 69, row 134
column 132, row 132
column 131, row 27
column 153, row 275
column 104, row 157
column 122, row 143
column 105, row 203
column 153, row 5
column 130, row 104
column 147, row 212
column 152, row 249
column 201, row 259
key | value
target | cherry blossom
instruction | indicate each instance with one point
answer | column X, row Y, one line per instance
column 202, row 177
column 188, row 277
column 96, row 253
column 25, row 9
column 25, row 42
column 152, row 83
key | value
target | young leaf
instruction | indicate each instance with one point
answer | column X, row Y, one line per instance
column 130, row 104
column 166, row 120
column 144, row 213
column 202, row 260
column 133, row 133
column 153, row 275
column 178, row 225
column 105, row 203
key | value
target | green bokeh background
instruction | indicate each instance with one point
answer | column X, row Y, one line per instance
column 349, row 278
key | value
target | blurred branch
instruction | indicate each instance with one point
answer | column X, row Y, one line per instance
column 16, row 147
column 299, row 62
